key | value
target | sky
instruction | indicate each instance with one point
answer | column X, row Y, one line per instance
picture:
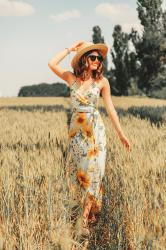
column 33, row 31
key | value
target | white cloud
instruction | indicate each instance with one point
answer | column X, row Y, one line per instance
column 120, row 13
column 65, row 15
column 15, row 8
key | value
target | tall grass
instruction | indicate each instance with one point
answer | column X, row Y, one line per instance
column 34, row 196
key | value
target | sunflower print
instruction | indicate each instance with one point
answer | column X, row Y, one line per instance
column 81, row 119
column 83, row 178
column 82, row 99
column 72, row 132
column 86, row 150
column 88, row 130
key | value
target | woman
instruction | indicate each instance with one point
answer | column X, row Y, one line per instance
column 86, row 150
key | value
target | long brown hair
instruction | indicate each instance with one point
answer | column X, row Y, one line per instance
column 80, row 69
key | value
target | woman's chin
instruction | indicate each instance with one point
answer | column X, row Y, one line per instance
column 94, row 68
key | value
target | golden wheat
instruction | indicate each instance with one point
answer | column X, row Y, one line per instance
column 123, row 102
column 34, row 194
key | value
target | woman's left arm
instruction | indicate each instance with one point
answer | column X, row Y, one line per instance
column 106, row 94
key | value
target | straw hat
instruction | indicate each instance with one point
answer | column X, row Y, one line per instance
column 86, row 46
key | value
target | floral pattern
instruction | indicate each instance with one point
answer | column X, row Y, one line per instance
column 86, row 150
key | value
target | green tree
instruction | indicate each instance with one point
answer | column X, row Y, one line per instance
column 45, row 89
column 121, row 60
column 98, row 38
column 163, row 59
column 164, row 23
column 149, row 47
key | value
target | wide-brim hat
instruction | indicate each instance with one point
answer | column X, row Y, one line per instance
column 87, row 46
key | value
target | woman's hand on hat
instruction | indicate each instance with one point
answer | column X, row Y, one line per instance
column 76, row 45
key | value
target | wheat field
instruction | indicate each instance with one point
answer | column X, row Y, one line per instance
column 34, row 212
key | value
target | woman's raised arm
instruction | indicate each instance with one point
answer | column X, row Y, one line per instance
column 53, row 63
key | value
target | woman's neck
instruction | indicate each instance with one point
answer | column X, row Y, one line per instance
column 88, row 75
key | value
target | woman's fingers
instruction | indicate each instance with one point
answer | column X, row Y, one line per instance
column 126, row 142
column 77, row 44
column 80, row 42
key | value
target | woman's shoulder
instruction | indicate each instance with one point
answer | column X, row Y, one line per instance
column 102, row 82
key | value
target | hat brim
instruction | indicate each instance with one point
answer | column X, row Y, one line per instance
column 99, row 46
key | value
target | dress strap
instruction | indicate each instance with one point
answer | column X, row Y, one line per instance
column 74, row 82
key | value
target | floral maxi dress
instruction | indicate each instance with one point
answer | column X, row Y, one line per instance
column 86, row 150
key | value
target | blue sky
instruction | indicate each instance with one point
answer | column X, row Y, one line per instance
column 33, row 31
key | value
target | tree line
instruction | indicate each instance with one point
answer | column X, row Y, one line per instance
column 141, row 71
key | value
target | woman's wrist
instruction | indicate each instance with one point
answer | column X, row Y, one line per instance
column 120, row 133
column 68, row 50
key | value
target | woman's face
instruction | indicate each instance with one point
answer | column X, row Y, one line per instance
column 93, row 64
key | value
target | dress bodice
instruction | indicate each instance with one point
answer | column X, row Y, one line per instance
column 84, row 99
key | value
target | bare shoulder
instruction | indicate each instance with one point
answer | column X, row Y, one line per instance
column 105, row 81
column 104, row 84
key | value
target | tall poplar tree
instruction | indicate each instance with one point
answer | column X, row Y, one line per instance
column 121, row 60
column 98, row 38
column 149, row 48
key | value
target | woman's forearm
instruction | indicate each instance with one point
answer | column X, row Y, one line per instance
column 115, row 120
column 62, row 54
column 59, row 57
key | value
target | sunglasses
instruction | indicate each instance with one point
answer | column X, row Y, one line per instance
column 93, row 58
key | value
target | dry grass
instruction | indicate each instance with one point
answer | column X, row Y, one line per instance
column 33, row 192
column 123, row 102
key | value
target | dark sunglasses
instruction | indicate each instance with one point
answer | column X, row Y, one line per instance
column 93, row 58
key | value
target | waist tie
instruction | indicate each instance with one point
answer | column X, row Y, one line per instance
column 88, row 109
